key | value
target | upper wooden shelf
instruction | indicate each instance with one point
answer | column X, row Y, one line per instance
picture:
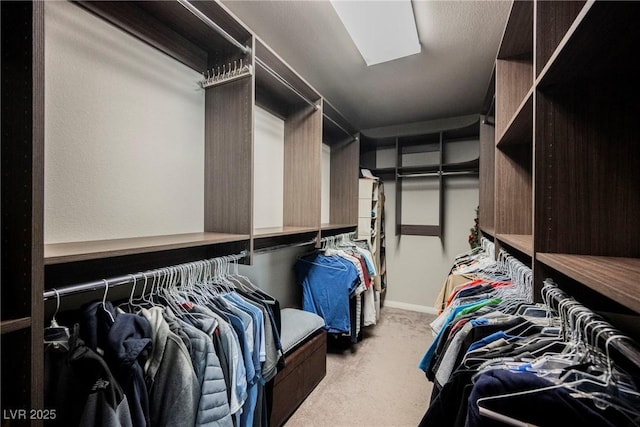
column 597, row 45
column 12, row 325
column 615, row 277
column 58, row 253
column 281, row 231
column 519, row 130
column 521, row 242
column 517, row 38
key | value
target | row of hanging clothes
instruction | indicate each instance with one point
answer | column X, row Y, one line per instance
column 499, row 359
column 337, row 284
column 195, row 348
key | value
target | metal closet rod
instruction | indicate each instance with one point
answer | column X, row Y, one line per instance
column 123, row 280
column 286, row 83
column 283, row 246
column 351, row 235
column 355, row 138
column 204, row 18
column 326, row 101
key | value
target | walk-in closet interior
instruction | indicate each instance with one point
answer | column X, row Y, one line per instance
column 236, row 213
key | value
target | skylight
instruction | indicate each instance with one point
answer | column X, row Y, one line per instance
column 381, row 30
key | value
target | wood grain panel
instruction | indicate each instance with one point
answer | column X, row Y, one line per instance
column 303, row 167
column 553, row 19
column 586, row 153
column 487, row 176
column 614, row 277
column 37, row 209
column 514, row 198
column 519, row 130
column 421, row 230
column 597, row 45
column 22, row 158
column 229, row 158
column 344, row 183
column 80, row 251
column 514, row 80
column 9, row 326
column 518, row 34
column 521, row 242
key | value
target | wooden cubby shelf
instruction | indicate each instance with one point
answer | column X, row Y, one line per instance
column 12, row 325
column 486, row 230
column 521, row 242
column 615, row 277
column 57, row 253
column 519, row 130
column 337, row 226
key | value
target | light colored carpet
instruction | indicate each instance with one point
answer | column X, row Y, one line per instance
column 377, row 382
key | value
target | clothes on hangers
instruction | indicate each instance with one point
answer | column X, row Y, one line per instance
column 335, row 280
column 197, row 355
column 480, row 362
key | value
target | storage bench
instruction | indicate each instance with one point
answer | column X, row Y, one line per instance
column 304, row 342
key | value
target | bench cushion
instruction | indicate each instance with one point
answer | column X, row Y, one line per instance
column 297, row 325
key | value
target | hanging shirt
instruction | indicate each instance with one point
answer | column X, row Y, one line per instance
column 327, row 282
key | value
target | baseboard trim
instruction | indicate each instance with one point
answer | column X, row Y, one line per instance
column 411, row 307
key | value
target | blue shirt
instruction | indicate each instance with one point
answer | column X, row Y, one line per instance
column 327, row 282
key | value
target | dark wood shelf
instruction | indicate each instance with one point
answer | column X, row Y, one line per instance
column 597, row 44
column 259, row 233
column 615, row 277
column 519, row 130
column 58, row 253
column 488, row 230
column 12, row 325
column 521, row 242
column 517, row 38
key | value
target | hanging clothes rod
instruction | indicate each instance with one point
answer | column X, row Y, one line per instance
column 350, row 235
column 326, row 116
column 439, row 173
column 124, row 280
column 204, row 18
column 286, row 83
column 284, row 246
column 625, row 346
column 326, row 101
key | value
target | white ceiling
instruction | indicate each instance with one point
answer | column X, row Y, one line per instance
column 448, row 78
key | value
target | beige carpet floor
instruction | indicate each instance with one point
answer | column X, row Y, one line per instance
column 377, row 381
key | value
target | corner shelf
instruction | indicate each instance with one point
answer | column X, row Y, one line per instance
column 614, row 277
column 58, row 253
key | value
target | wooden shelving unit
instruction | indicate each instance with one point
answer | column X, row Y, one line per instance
column 282, row 92
column 228, row 167
column 344, row 143
column 564, row 163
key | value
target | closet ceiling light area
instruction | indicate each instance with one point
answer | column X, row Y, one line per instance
column 447, row 78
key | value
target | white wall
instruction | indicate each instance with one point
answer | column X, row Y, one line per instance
column 418, row 265
column 124, row 134
column 268, row 174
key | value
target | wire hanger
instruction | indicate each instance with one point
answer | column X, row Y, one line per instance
column 55, row 334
